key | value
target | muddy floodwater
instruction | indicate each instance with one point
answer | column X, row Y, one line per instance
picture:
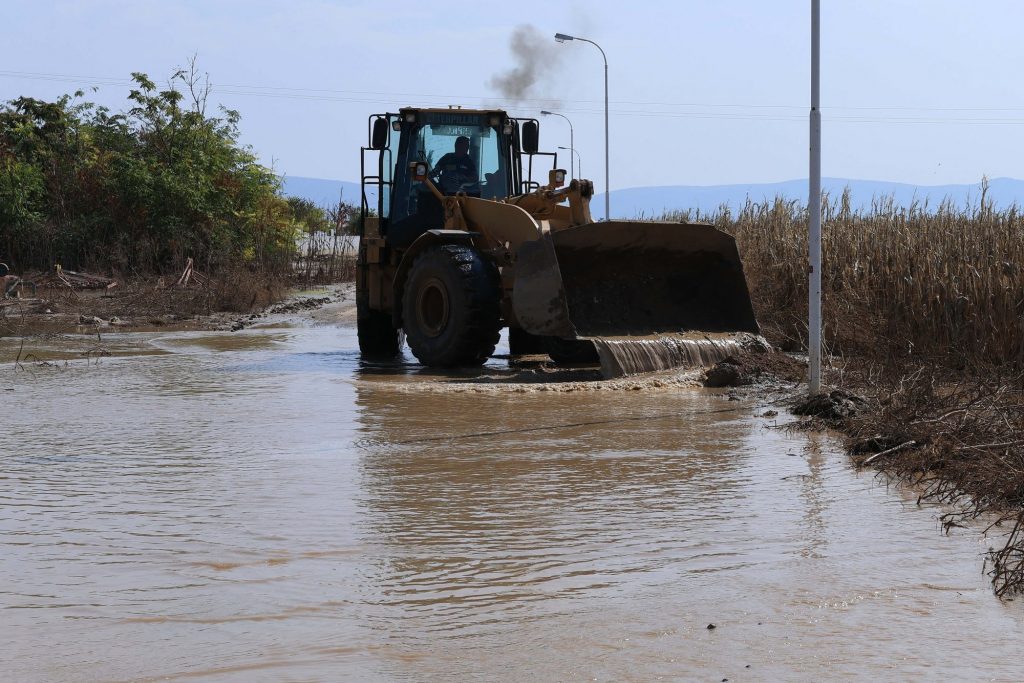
column 261, row 506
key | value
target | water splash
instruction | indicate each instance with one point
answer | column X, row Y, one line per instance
column 621, row 356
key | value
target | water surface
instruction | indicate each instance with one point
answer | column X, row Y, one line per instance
column 260, row 506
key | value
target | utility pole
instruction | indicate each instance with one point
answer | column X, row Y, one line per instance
column 561, row 38
column 814, row 210
column 572, row 138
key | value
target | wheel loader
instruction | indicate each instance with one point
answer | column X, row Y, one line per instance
column 472, row 229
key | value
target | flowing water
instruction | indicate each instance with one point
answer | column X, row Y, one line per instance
column 261, row 506
column 621, row 356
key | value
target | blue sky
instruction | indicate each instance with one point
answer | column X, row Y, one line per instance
column 702, row 92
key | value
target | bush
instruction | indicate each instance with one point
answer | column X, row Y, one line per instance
column 140, row 190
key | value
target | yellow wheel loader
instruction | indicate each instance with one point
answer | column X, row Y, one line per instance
column 463, row 241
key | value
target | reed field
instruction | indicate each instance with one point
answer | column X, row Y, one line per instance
column 924, row 316
column 930, row 283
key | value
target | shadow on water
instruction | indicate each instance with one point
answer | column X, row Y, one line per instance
column 499, row 369
column 557, row 496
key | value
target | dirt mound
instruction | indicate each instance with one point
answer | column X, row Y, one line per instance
column 751, row 366
column 834, row 405
column 298, row 305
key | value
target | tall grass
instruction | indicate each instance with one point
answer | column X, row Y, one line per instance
column 944, row 284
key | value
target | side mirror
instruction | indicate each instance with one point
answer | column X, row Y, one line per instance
column 531, row 137
column 379, row 138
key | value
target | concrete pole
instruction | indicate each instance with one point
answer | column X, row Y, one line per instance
column 561, row 38
column 607, row 179
column 814, row 209
column 572, row 138
column 579, row 169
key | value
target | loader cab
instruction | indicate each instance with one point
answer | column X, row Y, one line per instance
column 494, row 169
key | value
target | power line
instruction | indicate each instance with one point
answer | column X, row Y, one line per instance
column 360, row 97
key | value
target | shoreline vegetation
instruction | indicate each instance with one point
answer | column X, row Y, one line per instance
column 923, row 319
column 923, row 304
column 159, row 196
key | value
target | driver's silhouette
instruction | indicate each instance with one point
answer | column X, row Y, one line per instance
column 456, row 169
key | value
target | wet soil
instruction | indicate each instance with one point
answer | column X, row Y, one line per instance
column 142, row 307
column 747, row 367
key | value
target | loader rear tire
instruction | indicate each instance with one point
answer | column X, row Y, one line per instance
column 378, row 337
column 450, row 308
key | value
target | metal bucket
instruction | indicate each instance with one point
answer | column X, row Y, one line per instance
column 632, row 278
column 651, row 296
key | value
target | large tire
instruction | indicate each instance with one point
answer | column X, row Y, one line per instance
column 450, row 308
column 378, row 337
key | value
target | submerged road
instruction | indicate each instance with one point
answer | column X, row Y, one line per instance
column 260, row 506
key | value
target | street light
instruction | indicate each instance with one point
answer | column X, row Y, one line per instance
column 814, row 211
column 572, row 143
column 579, row 169
column 561, row 38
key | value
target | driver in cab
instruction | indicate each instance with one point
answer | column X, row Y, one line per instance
column 456, row 169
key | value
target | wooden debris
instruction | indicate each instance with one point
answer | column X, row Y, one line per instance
column 190, row 274
column 75, row 280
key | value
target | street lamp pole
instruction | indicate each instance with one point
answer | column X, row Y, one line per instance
column 572, row 139
column 814, row 210
column 579, row 168
column 561, row 38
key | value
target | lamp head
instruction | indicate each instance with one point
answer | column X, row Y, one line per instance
column 561, row 37
column 545, row 112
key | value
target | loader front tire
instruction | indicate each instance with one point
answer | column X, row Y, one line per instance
column 450, row 308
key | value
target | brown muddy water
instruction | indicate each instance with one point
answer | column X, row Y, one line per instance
column 262, row 506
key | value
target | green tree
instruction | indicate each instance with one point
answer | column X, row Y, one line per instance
column 142, row 189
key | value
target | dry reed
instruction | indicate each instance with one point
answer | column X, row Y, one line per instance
column 897, row 281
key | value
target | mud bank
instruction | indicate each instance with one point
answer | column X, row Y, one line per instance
column 64, row 329
column 951, row 438
column 140, row 307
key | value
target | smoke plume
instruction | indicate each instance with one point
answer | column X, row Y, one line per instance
column 536, row 55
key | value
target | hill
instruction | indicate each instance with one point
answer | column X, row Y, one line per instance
column 322, row 191
column 650, row 202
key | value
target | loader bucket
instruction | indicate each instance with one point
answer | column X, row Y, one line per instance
column 635, row 288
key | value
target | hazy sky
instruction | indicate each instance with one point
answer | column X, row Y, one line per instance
column 702, row 92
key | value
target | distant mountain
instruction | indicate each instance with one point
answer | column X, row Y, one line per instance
column 651, row 202
column 324, row 192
